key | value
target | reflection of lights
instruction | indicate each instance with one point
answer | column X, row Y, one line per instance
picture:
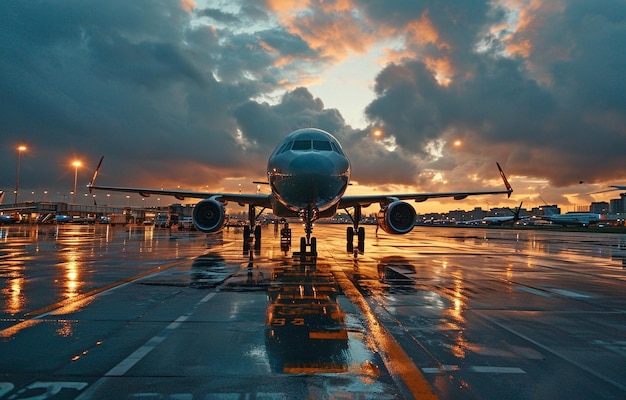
column 15, row 301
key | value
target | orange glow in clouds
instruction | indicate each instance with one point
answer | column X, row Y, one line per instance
column 187, row 5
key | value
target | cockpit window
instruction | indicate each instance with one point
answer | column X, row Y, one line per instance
column 321, row 145
column 336, row 148
column 284, row 147
column 301, row 145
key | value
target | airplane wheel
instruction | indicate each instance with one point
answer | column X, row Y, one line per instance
column 350, row 239
column 246, row 238
column 302, row 245
column 313, row 245
column 257, row 237
column 361, row 238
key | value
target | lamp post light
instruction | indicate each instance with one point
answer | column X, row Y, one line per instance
column 76, row 164
column 20, row 149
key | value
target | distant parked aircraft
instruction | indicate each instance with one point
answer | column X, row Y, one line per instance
column 505, row 220
column 573, row 218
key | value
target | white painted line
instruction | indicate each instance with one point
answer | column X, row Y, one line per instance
column 130, row 361
column 496, row 370
column 569, row 293
column 474, row 368
column 440, row 370
column 532, row 291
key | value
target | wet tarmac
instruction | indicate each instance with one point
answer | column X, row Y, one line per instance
column 449, row 313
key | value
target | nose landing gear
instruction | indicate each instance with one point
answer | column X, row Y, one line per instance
column 308, row 244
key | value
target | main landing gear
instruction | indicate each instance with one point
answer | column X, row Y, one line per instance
column 252, row 231
column 353, row 231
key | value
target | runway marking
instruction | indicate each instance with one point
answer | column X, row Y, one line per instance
column 130, row 361
column 569, row 293
column 533, row 291
column 399, row 364
column 70, row 305
column 475, row 368
column 496, row 370
column 572, row 361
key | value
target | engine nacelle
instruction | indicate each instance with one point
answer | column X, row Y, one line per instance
column 209, row 215
column 397, row 217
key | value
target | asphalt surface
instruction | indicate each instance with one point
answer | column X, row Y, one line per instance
column 449, row 313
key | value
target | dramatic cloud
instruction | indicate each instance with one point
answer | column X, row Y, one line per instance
column 196, row 94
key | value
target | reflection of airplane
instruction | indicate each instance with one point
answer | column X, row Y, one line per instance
column 305, row 327
column 506, row 220
column 572, row 218
column 308, row 175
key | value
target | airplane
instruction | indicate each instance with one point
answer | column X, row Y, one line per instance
column 615, row 187
column 573, row 218
column 308, row 174
column 1, row 196
column 506, row 220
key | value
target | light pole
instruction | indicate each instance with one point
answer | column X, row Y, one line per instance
column 76, row 164
column 20, row 149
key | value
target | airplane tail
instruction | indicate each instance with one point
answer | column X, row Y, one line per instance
column 95, row 174
column 1, row 196
column 506, row 181
column 516, row 212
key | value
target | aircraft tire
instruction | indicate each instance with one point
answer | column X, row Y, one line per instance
column 257, row 237
column 350, row 239
column 246, row 238
column 361, row 240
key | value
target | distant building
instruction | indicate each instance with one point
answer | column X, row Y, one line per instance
column 599, row 207
column 618, row 206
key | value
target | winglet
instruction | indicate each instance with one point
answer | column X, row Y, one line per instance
column 506, row 181
column 95, row 173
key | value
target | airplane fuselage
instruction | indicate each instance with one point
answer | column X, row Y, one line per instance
column 582, row 219
column 308, row 171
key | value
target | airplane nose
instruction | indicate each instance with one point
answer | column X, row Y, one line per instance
column 309, row 163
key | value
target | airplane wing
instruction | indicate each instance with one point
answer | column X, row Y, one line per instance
column 367, row 200
column 615, row 187
column 260, row 200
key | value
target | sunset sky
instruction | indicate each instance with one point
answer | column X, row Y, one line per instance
column 196, row 94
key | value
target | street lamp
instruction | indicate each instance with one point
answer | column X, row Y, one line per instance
column 20, row 149
column 76, row 164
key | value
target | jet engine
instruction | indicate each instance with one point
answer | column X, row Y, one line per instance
column 208, row 215
column 397, row 217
